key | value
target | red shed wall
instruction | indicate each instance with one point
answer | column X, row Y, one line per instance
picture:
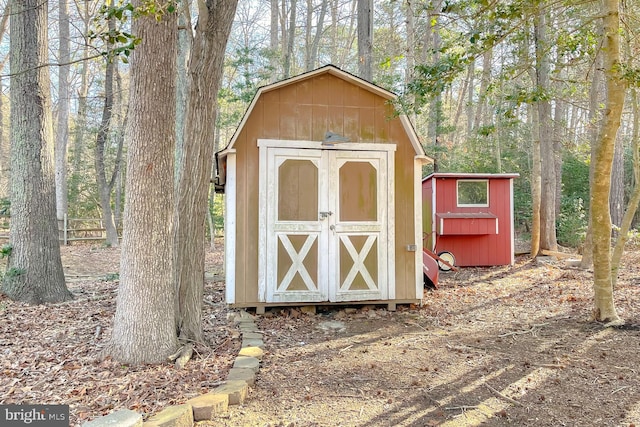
column 482, row 249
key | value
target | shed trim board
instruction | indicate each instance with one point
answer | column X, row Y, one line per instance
column 230, row 228
column 325, row 243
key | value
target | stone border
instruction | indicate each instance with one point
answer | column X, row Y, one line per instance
column 204, row 407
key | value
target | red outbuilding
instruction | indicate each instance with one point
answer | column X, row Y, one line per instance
column 468, row 218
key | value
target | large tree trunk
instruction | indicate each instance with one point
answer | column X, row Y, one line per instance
column 34, row 273
column 144, row 324
column 205, row 73
column 62, row 129
column 365, row 39
column 604, row 307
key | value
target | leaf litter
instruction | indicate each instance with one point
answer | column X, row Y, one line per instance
column 492, row 346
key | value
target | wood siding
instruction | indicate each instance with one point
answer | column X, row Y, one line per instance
column 476, row 236
column 305, row 110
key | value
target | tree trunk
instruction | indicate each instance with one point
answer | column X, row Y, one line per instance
column 104, row 189
column 290, row 39
column 634, row 200
column 34, row 274
column 273, row 35
column 365, row 39
column 205, row 73
column 315, row 43
column 604, row 307
column 616, row 201
column 4, row 142
column 185, row 37
column 536, row 183
column 547, row 153
column 144, row 324
column 62, row 130
column 79, row 127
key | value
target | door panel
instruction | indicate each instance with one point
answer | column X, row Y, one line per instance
column 326, row 232
column 359, row 233
column 295, row 234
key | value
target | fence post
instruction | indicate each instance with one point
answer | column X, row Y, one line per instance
column 65, row 229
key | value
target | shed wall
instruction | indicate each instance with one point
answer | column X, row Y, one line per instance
column 483, row 249
column 306, row 110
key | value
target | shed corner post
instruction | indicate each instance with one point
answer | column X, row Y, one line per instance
column 230, row 229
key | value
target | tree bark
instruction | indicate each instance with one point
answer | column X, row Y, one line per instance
column 34, row 274
column 365, row 39
column 62, row 129
column 547, row 152
column 79, row 128
column 290, row 39
column 595, row 92
column 4, row 142
column 604, row 306
column 205, row 73
column 144, row 324
column 104, row 187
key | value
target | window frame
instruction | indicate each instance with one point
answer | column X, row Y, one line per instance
column 471, row 205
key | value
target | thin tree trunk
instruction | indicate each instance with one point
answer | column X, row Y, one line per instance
column 536, row 183
column 547, row 152
column 104, row 189
column 273, row 35
column 365, row 39
column 318, row 35
column 81, row 118
column 597, row 88
column 604, row 306
column 205, row 73
column 288, row 55
column 616, row 198
column 62, row 130
column 634, row 200
column 34, row 274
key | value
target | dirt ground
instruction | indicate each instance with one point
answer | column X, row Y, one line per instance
column 492, row 347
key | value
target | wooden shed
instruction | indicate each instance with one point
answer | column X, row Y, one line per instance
column 322, row 193
column 470, row 215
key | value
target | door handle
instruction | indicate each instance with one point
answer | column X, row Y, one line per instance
column 325, row 214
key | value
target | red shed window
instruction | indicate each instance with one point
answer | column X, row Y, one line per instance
column 473, row 193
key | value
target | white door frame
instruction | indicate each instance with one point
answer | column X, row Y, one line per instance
column 327, row 290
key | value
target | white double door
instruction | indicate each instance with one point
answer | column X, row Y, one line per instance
column 325, row 224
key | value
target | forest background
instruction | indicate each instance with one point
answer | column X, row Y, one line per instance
column 507, row 86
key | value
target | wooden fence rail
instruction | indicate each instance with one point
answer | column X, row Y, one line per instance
column 69, row 229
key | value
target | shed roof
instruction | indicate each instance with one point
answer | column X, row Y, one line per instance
column 337, row 72
column 471, row 175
